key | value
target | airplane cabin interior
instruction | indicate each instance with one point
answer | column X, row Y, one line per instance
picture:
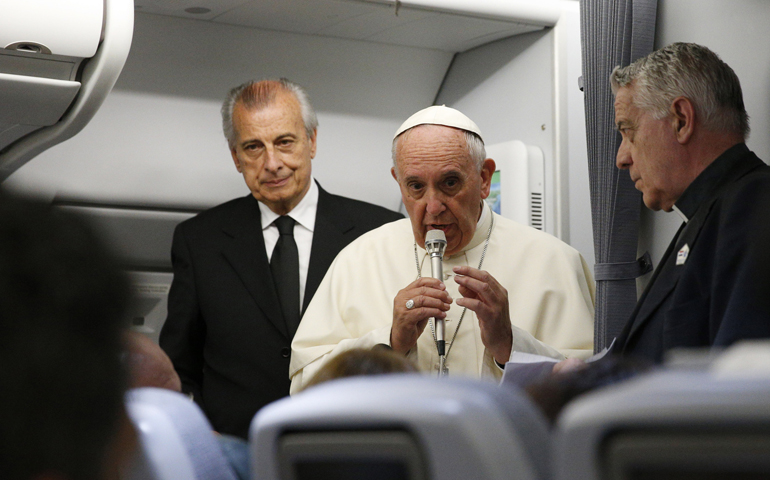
column 110, row 109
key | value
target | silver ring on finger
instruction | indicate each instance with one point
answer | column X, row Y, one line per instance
column 409, row 304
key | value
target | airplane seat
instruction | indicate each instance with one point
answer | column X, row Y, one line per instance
column 401, row 427
column 176, row 441
column 709, row 423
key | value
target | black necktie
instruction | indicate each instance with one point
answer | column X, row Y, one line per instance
column 284, row 265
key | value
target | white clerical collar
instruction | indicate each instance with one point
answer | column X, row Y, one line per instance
column 303, row 213
column 684, row 217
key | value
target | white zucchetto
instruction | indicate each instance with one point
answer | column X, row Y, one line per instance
column 439, row 115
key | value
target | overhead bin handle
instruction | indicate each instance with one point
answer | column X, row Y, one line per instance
column 29, row 47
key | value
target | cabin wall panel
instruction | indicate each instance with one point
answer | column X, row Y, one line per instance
column 509, row 88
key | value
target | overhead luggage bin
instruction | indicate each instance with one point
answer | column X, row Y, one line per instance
column 58, row 62
column 71, row 29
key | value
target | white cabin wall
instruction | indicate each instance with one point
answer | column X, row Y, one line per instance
column 507, row 88
column 526, row 88
column 157, row 140
column 737, row 32
column 576, row 196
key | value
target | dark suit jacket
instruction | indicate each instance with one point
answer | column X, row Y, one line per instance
column 224, row 332
column 719, row 290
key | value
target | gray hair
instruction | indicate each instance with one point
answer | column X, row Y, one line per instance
column 691, row 71
column 258, row 94
column 473, row 142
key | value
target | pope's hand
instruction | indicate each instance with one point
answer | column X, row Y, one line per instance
column 483, row 294
column 428, row 298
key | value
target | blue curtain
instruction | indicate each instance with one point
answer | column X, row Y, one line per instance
column 613, row 32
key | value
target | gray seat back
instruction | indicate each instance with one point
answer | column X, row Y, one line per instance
column 175, row 439
column 409, row 425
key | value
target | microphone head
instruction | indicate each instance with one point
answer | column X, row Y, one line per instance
column 435, row 242
column 435, row 235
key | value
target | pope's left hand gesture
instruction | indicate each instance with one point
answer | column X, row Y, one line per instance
column 483, row 294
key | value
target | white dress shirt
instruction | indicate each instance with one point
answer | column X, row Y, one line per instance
column 304, row 218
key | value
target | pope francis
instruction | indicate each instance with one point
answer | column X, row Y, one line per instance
column 506, row 287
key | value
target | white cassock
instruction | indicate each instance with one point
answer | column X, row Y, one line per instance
column 550, row 294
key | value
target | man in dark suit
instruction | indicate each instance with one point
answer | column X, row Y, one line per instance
column 680, row 112
column 241, row 284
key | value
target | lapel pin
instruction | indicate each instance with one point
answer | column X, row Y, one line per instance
column 681, row 256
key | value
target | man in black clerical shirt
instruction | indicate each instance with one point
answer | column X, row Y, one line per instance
column 683, row 123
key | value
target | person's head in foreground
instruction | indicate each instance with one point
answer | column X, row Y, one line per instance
column 378, row 360
column 552, row 393
column 62, row 300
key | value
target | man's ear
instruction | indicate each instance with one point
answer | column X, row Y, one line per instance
column 487, row 170
column 236, row 160
column 683, row 119
column 393, row 172
column 313, row 143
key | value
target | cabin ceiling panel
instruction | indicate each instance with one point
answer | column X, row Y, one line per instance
column 374, row 22
column 441, row 32
column 179, row 8
column 296, row 16
column 202, row 60
column 350, row 19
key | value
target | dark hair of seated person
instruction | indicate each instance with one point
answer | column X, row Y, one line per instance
column 62, row 303
column 378, row 360
column 147, row 364
column 555, row 391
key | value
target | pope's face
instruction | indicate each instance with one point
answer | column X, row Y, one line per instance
column 273, row 152
column 441, row 186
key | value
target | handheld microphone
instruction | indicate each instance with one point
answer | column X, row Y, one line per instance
column 435, row 245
